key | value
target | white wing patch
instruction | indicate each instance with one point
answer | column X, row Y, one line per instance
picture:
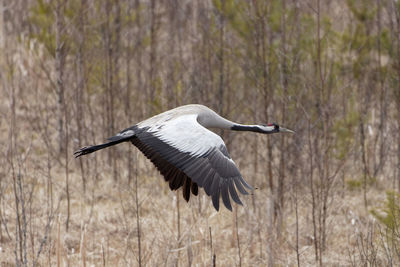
column 187, row 135
column 126, row 133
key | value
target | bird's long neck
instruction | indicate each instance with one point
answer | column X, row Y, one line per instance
column 216, row 121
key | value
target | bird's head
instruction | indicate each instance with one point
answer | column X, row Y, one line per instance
column 273, row 128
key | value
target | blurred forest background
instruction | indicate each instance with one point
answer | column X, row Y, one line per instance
column 74, row 72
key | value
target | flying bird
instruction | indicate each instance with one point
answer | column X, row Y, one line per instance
column 187, row 154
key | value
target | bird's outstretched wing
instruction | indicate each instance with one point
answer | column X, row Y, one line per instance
column 189, row 155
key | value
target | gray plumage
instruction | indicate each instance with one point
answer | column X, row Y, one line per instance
column 187, row 154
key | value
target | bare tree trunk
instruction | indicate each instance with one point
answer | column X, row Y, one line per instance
column 283, row 159
column 80, row 115
column 262, row 42
column 115, row 84
column 296, row 207
column 398, row 147
column 2, row 47
column 178, row 225
column 128, row 105
column 11, row 151
column 313, row 195
column 59, row 64
column 221, row 49
column 109, row 70
column 138, row 58
column 396, row 33
column 108, row 33
column 364, row 162
column 255, row 154
column 138, row 227
column 380, row 139
column 61, row 111
column 395, row 28
column 213, row 256
column 320, row 143
column 3, row 25
column 237, row 237
column 66, row 141
column 171, row 92
column 153, row 57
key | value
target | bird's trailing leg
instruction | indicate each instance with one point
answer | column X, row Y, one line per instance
column 123, row 136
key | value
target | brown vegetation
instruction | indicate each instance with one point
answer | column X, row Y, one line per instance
column 74, row 72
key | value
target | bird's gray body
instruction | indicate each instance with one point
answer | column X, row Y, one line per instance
column 186, row 153
column 206, row 117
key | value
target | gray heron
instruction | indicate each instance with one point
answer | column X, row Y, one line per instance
column 187, row 154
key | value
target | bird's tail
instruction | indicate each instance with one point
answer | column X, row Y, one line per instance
column 123, row 136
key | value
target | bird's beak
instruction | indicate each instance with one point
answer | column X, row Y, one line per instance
column 284, row 130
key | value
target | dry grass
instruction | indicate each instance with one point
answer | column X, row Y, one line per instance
column 103, row 228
